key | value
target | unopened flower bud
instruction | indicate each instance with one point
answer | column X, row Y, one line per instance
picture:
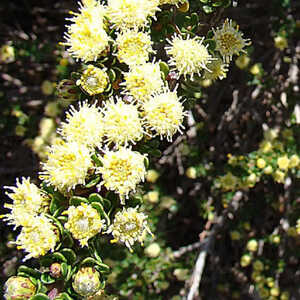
column 191, row 173
column 252, row 245
column 67, row 90
column 152, row 176
column 242, row 61
column 86, row 282
column 152, row 196
column 18, row 288
column 280, row 42
column 152, row 250
column 275, row 291
column 245, row 260
column 55, row 270
column 181, row 274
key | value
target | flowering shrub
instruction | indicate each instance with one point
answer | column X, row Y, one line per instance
column 141, row 66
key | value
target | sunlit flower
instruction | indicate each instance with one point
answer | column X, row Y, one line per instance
column 84, row 126
column 261, row 163
column 84, row 222
column 294, row 161
column 228, row 182
column 28, row 200
column 279, row 176
column 93, row 80
column 86, row 282
column 164, row 113
column 38, row 237
column 189, row 56
column 134, row 47
column 122, row 171
column 143, row 80
column 86, row 36
column 229, row 40
column 122, row 122
column 19, row 288
column 283, row 162
column 129, row 226
column 217, row 70
column 67, row 165
column 280, row 42
column 128, row 14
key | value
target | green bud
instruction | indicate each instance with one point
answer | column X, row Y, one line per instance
column 67, row 91
column 18, row 288
column 86, row 282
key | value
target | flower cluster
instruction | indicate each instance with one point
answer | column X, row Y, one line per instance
column 271, row 159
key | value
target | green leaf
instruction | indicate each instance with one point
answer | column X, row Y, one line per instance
column 29, row 271
column 96, row 160
column 208, row 9
column 112, row 75
column 59, row 256
column 77, row 200
column 164, row 68
column 69, row 254
column 94, row 197
column 204, row 1
column 226, row 3
column 217, row 3
column 211, row 44
column 40, row 296
column 101, row 211
column 70, row 273
column 194, row 19
column 64, row 269
column 47, row 279
column 93, row 182
column 101, row 267
column 155, row 152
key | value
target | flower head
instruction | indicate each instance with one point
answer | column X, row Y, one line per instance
column 228, row 182
column 84, row 126
column 84, row 222
column 128, row 14
column 86, row 36
column 38, row 237
column 283, row 162
column 129, row 226
column 134, row 47
column 122, row 171
column 189, row 56
column 217, row 70
column 67, row 165
column 143, row 80
column 18, row 288
column 86, row 282
column 28, row 200
column 229, row 40
column 164, row 113
column 93, row 80
column 122, row 122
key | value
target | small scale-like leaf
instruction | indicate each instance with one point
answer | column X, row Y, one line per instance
column 101, row 211
column 59, row 256
column 64, row 269
column 94, row 197
column 96, row 160
column 208, row 9
column 77, row 200
column 164, row 68
column 40, row 296
column 29, row 271
column 47, row 279
column 93, row 182
column 211, row 44
column 69, row 254
column 112, row 75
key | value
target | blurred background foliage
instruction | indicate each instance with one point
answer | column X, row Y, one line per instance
column 209, row 190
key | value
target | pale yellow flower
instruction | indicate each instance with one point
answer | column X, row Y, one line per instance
column 28, row 200
column 129, row 226
column 217, row 69
column 84, row 222
column 38, row 237
column 121, row 171
column 228, row 182
column 83, row 126
column 86, row 36
column 134, row 47
column 67, row 165
column 143, row 80
column 122, row 122
column 294, row 161
column 129, row 14
column 279, row 176
column 189, row 56
column 280, row 42
column 283, row 162
column 261, row 163
column 93, row 80
column 164, row 114
column 229, row 40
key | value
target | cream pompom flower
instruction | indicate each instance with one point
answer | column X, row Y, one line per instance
column 164, row 113
column 129, row 226
column 229, row 40
column 122, row 171
column 217, row 70
column 189, row 56
column 27, row 198
column 38, row 237
column 122, row 122
column 86, row 36
column 134, row 47
column 67, row 165
column 143, row 80
column 84, row 126
column 128, row 14
column 84, row 222
column 93, row 80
